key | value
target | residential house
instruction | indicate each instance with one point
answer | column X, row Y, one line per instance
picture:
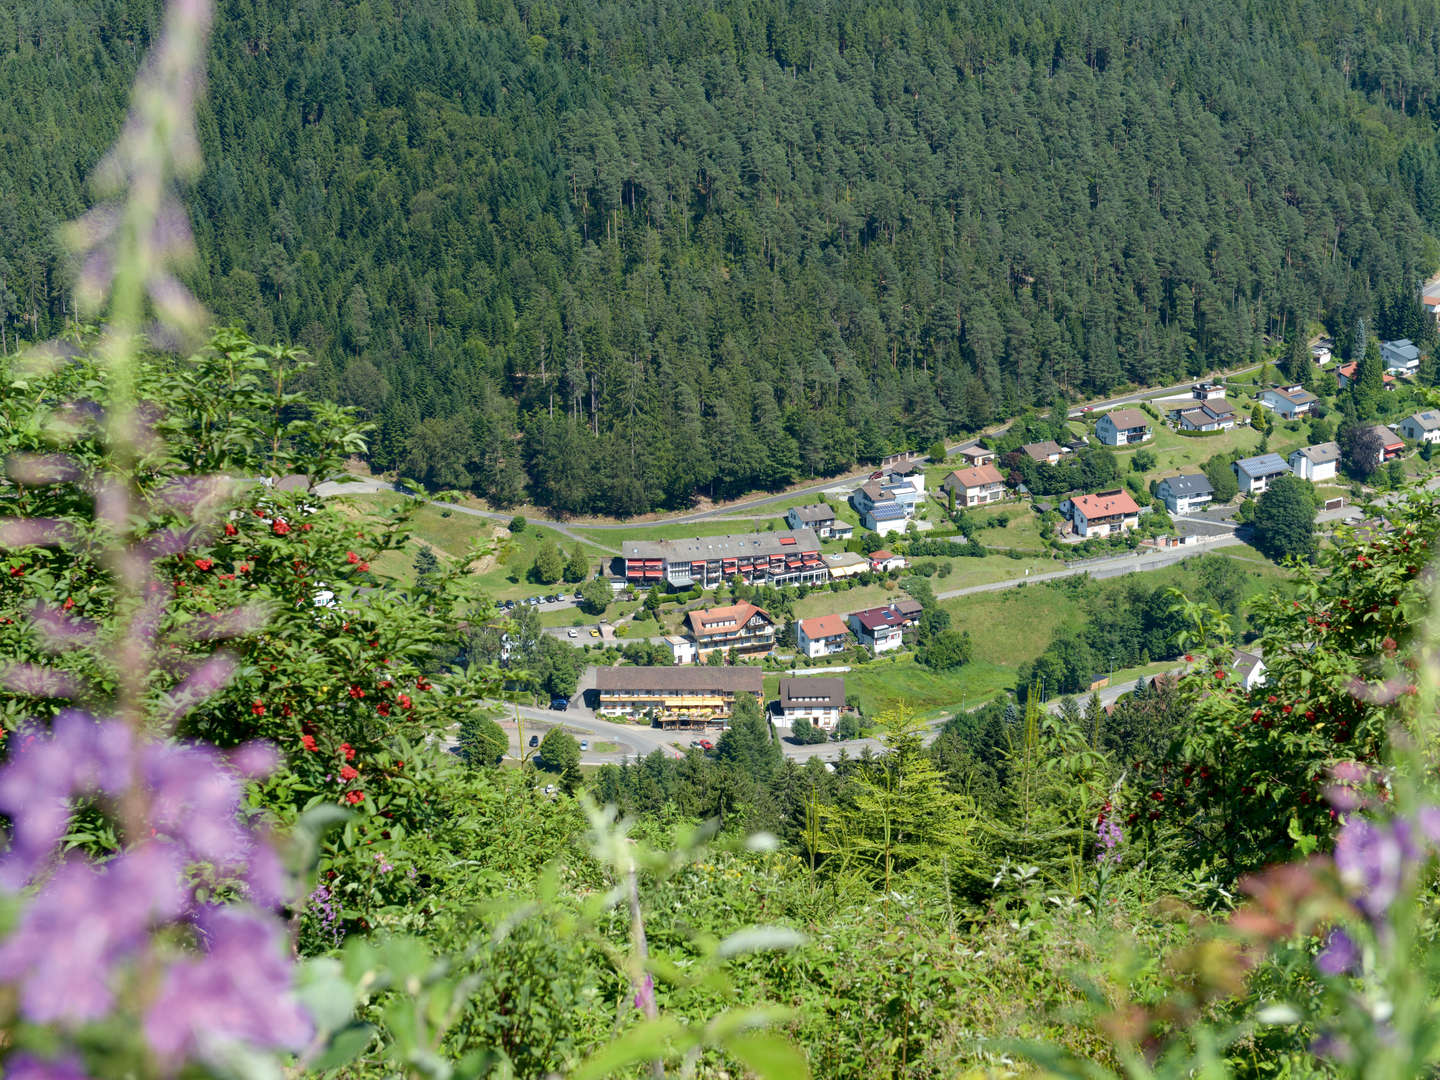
column 1320, row 354
column 1422, row 426
column 1255, row 474
column 879, row 629
column 975, row 487
column 1248, row 669
column 1217, row 415
column 844, row 564
column 1391, row 445
column 841, row 530
column 1430, row 299
column 909, row 610
column 1185, row 494
column 882, row 562
column 682, row 649
column 1400, row 357
column 739, row 628
column 822, row 635
column 676, row 697
column 773, row 558
column 817, row 516
column 885, row 505
column 1207, row 391
column 1123, row 427
column 912, row 472
column 1345, row 375
column 1048, row 451
column 1103, row 513
column 818, row 700
column 976, row 455
column 1315, row 463
column 1288, row 402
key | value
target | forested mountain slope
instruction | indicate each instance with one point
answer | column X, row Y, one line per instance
column 610, row 255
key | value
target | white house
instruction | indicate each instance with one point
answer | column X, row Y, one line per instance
column 1217, row 415
column 976, row 455
column 1185, row 494
column 911, row 472
column 1315, row 463
column 1048, row 451
column 1249, row 668
column 817, row 516
column 879, row 629
column 1255, row 474
column 882, row 562
column 1400, row 357
column 682, row 649
column 1320, row 355
column 1123, row 427
column 879, row 510
column 975, row 487
column 822, row 635
column 1288, row 402
column 1422, row 426
column 1207, row 391
column 818, row 700
column 1103, row 513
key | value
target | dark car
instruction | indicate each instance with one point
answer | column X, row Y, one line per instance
column 560, row 704
column 877, row 474
column 534, row 740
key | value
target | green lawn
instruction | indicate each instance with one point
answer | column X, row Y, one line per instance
column 504, row 570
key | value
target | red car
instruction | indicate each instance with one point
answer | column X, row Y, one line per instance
column 706, row 744
column 876, row 475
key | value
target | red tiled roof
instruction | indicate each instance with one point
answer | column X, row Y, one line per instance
column 881, row 555
column 734, row 615
column 979, row 476
column 1105, row 504
column 824, row 626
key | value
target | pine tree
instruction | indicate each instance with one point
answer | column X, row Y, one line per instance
column 577, row 569
column 549, row 563
column 426, row 566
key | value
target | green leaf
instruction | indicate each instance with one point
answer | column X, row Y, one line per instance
column 769, row 1057
column 328, row 998
column 644, row 1042
column 760, row 939
column 345, row 1046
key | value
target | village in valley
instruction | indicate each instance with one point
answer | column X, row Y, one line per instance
column 910, row 579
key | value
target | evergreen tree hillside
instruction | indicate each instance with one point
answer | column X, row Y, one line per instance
column 611, row 258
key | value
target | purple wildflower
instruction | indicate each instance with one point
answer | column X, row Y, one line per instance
column 1109, row 837
column 645, row 995
column 27, row 1067
column 81, row 925
column 1341, row 956
column 1371, row 860
column 324, row 903
column 239, row 990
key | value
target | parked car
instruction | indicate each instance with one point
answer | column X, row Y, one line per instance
column 559, row 704
column 706, row 744
column 572, row 633
column 594, row 633
column 584, row 744
column 877, row 474
column 534, row 740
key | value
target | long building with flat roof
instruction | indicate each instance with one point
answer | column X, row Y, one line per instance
column 787, row 557
column 680, row 697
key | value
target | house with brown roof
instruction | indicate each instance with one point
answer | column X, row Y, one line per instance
column 1103, row 513
column 818, row 700
column 1048, row 451
column 882, row 561
column 1288, row 402
column 822, row 635
column 817, row 516
column 976, row 455
column 676, row 697
column 1391, row 444
column 1215, row 415
column 736, row 628
column 975, row 487
column 1123, row 427
column 879, row 629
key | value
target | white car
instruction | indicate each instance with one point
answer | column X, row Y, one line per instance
column 573, row 633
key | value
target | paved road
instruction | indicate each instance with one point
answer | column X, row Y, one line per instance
column 366, row 485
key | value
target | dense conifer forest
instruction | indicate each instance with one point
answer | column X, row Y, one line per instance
column 612, row 256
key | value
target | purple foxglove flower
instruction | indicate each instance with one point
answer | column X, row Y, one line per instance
column 645, row 995
column 1341, row 956
column 28, row 1067
column 81, row 926
column 239, row 990
column 1427, row 820
column 194, row 799
column 1371, row 861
